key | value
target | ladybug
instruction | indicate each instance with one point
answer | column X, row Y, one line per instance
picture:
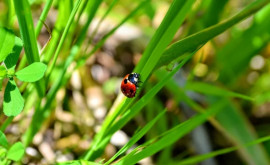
column 130, row 84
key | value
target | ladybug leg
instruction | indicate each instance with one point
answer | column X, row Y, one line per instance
column 138, row 84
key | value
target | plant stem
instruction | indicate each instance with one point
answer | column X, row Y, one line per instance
column 23, row 12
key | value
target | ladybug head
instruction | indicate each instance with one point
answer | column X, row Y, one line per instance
column 134, row 78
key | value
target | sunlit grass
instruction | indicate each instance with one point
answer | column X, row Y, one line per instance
column 175, row 105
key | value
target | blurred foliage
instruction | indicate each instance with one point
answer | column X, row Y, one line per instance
column 206, row 62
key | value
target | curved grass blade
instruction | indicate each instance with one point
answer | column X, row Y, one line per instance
column 214, row 12
column 104, row 38
column 61, row 42
column 43, row 16
column 38, row 28
column 3, row 140
column 190, row 43
column 200, row 158
column 237, row 128
column 248, row 44
column 6, row 123
column 92, row 12
column 64, row 10
column 41, row 114
column 236, row 125
column 108, row 120
column 78, row 162
column 103, row 18
column 163, row 36
column 136, row 137
column 209, row 89
column 171, row 136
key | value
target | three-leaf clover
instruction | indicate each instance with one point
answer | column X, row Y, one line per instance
column 9, row 53
column 7, row 152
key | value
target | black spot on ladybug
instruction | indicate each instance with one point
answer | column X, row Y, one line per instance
column 131, row 91
column 125, row 81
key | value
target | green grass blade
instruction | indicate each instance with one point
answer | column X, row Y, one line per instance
column 43, row 16
column 6, row 123
column 248, row 44
column 62, row 19
column 136, row 137
column 209, row 89
column 104, row 38
column 131, row 15
column 102, row 18
column 78, row 162
column 3, row 140
column 111, row 117
column 42, row 113
column 70, row 21
column 92, row 12
column 40, row 116
column 178, row 93
column 237, row 128
column 241, row 131
column 23, row 12
column 200, row 158
column 9, row 17
column 172, row 135
column 163, row 36
column 153, row 108
column 190, row 43
column 24, row 16
column 94, row 5
column 213, row 12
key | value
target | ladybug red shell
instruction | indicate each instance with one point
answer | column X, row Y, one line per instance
column 129, row 84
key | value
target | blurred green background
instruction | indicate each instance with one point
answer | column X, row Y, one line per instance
column 233, row 67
